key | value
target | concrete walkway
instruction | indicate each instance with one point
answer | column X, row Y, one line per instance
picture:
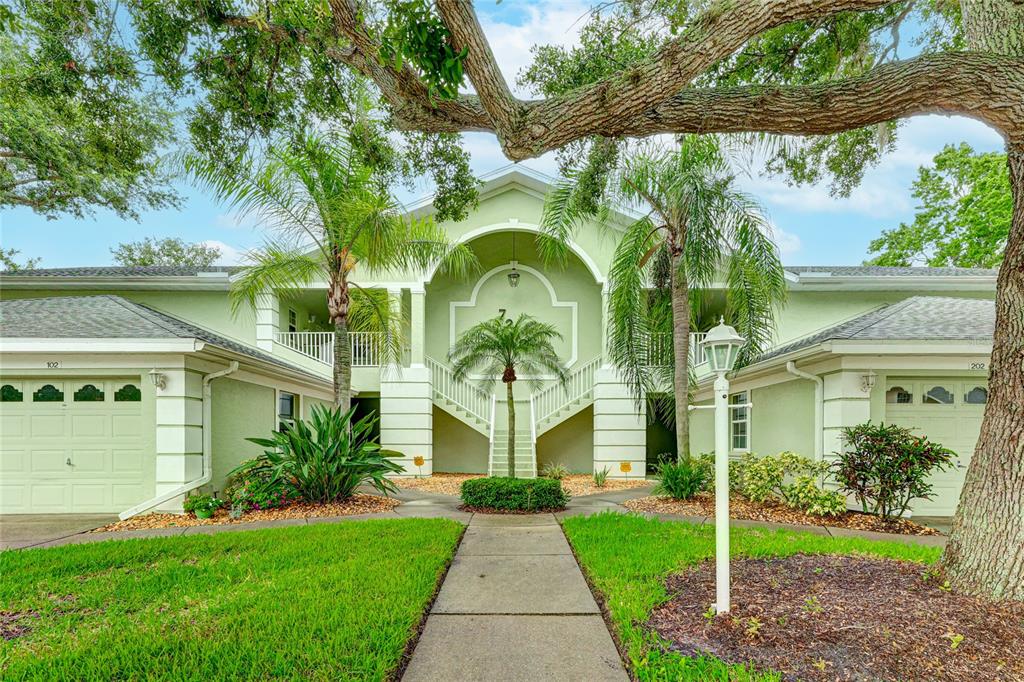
column 515, row 606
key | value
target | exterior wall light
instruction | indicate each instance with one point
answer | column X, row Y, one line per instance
column 867, row 381
column 513, row 277
column 158, row 378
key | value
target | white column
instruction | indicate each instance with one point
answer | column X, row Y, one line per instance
column 845, row 403
column 407, row 418
column 604, row 325
column 620, row 431
column 268, row 320
column 418, row 327
column 179, row 432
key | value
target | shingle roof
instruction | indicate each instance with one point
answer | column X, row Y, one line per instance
column 120, row 271
column 110, row 317
column 888, row 271
column 925, row 318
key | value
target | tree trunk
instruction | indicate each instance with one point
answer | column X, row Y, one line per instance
column 511, row 433
column 680, row 293
column 342, row 365
column 985, row 552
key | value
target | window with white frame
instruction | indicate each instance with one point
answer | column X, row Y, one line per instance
column 739, row 421
column 287, row 409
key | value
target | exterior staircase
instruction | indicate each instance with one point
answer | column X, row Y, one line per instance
column 482, row 411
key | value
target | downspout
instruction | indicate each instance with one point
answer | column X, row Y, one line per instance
column 819, row 408
column 207, row 471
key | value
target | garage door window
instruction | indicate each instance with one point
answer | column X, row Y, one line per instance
column 938, row 395
column 10, row 394
column 129, row 393
column 48, row 394
column 897, row 395
column 976, row 396
column 88, row 394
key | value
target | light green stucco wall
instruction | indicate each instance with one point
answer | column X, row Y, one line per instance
column 702, row 430
column 208, row 309
column 783, row 418
column 239, row 410
column 570, row 444
column 457, row 448
column 572, row 284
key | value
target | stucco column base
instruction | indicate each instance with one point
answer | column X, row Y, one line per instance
column 407, row 418
column 620, row 429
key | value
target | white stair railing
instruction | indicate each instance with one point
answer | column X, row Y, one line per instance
column 490, row 436
column 462, row 394
column 552, row 399
column 365, row 346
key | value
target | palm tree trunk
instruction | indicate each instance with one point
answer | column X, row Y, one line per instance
column 342, row 365
column 511, row 433
column 681, row 348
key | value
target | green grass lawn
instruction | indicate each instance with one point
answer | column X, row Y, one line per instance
column 332, row 601
column 627, row 558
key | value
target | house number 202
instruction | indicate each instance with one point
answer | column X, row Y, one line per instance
column 977, row 365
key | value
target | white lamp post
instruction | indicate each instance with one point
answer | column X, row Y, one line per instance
column 721, row 347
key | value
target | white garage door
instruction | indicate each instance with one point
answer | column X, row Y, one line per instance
column 72, row 445
column 948, row 411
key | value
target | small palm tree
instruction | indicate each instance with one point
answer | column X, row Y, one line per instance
column 696, row 227
column 501, row 347
column 332, row 218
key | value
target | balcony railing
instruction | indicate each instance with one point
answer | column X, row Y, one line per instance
column 659, row 352
column 366, row 346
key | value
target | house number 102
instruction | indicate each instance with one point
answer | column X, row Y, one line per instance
column 53, row 364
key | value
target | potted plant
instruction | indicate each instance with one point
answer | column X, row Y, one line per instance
column 202, row 506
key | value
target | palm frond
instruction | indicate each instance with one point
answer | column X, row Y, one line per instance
column 275, row 267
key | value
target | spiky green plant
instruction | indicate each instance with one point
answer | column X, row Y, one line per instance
column 330, row 218
column 696, row 228
column 327, row 457
column 499, row 348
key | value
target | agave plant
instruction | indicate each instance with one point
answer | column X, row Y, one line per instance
column 327, row 457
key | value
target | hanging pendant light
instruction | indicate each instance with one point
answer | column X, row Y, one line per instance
column 513, row 277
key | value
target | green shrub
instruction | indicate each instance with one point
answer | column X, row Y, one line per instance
column 886, row 467
column 252, row 485
column 514, row 494
column 601, row 477
column 554, row 471
column 201, row 503
column 327, row 457
column 736, row 467
column 790, row 479
column 683, row 479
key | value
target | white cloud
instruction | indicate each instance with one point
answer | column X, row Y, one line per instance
column 787, row 242
column 229, row 255
column 233, row 221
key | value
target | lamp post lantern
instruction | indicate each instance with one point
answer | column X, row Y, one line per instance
column 722, row 346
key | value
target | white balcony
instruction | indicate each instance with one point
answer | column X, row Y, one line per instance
column 366, row 346
column 659, row 353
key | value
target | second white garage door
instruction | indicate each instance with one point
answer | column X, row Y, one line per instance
column 72, row 445
column 948, row 411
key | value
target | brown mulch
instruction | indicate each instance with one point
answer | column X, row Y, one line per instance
column 578, row 485
column 441, row 483
column 741, row 508
column 357, row 504
column 574, row 484
column 844, row 618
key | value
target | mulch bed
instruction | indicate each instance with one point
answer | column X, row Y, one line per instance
column 575, row 484
column 357, row 504
column 844, row 618
column 742, row 508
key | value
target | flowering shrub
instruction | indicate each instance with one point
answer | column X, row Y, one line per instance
column 886, row 467
column 197, row 504
column 252, row 485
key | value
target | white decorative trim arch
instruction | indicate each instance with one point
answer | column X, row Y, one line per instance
column 513, row 225
column 471, row 303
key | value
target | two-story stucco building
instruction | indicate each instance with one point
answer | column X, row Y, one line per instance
column 124, row 387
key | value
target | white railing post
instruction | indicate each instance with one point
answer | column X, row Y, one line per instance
column 366, row 346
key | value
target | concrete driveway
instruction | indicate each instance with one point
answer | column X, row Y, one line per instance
column 26, row 530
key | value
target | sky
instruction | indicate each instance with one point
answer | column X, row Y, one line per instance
column 811, row 227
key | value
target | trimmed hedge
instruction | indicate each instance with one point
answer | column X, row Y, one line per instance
column 514, row 494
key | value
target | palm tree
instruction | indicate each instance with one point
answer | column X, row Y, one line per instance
column 499, row 348
column 695, row 226
column 331, row 217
